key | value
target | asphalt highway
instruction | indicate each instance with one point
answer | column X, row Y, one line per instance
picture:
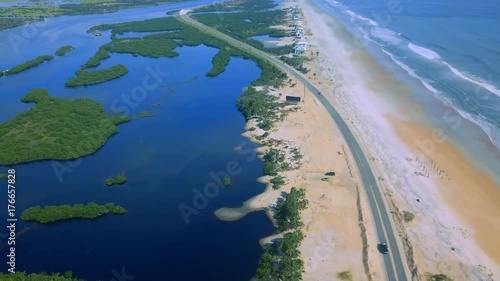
column 393, row 261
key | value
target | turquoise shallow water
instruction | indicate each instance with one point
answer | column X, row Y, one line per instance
column 167, row 158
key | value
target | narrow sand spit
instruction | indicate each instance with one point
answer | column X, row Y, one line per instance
column 458, row 208
column 333, row 238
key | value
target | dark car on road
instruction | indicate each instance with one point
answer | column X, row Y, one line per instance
column 382, row 247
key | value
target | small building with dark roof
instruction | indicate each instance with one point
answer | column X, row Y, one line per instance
column 292, row 99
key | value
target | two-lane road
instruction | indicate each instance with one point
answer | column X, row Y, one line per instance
column 393, row 261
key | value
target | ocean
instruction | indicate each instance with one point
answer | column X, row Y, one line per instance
column 451, row 49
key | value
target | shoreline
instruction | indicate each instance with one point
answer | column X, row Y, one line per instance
column 331, row 237
column 371, row 113
column 388, row 128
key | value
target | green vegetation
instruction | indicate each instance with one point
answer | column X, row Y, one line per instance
column 219, row 62
column 438, row 277
column 51, row 214
column 408, row 217
column 97, row 1
column 100, row 55
column 226, row 181
column 246, row 23
column 64, row 50
column 86, row 78
column 274, row 162
column 231, row 6
column 277, row 182
column 19, row 15
column 247, row 19
column 288, row 211
column 295, row 62
column 150, row 25
column 30, row 11
column 153, row 48
column 260, row 105
column 6, row 23
column 296, row 155
column 281, row 261
column 265, row 124
column 177, row 34
column 325, row 179
column 55, row 128
column 120, row 179
column 145, row 113
column 27, row 65
column 263, row 136
column 345, row 275
column 4, row 176
column 23, row 276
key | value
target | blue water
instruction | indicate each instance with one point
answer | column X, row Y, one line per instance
column 165, row 157
column 265, row 39
column 451, row 47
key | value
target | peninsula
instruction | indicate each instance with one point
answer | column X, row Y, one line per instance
column 26, row 65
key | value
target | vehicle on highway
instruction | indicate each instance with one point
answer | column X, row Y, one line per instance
column 319, row 93
column 382, row 247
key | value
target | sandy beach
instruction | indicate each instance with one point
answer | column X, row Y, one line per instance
column 420, row 170
column 457, row 216
column 333, row 238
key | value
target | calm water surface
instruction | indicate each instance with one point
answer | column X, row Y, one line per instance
column 165, row 158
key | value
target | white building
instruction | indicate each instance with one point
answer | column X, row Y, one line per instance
column 300, row 48
column 299, row 32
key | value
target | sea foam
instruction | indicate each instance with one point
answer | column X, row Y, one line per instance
column 356, row 16
column 411, row 72
column 386, row 35
column 474, row 80
column 424, row 52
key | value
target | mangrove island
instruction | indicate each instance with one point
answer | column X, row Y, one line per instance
column 56, row 128
column 51, row 214
column 26, row 65
column 64, row 50
column 121, row 179
column 87, row 78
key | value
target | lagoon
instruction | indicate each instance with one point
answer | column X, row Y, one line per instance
column 165, row 158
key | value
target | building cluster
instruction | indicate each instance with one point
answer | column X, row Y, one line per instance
column 300, row 43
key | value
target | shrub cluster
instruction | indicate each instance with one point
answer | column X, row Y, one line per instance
column 55, row 128
column 51, row 214
column 281, row 261
column 27, row 65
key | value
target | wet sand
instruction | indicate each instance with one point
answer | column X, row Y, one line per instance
column 457, row 219
column 455, row 202
column 333, row 239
